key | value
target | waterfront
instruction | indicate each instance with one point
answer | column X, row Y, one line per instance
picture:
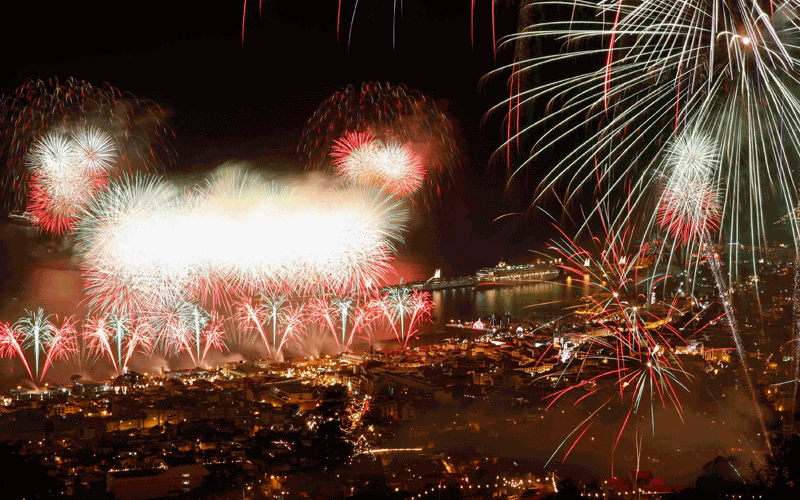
column 538, row 301
column 542, row 299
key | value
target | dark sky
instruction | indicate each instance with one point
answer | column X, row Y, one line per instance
column 230, row 100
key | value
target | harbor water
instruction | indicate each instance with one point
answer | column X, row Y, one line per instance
column 532, row 300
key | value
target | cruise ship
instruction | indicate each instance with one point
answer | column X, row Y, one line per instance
column 500, row 275
column 503, row 274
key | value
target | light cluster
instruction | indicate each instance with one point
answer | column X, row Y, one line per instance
column 67, row 169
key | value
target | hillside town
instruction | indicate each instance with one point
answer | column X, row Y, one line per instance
column 365, row 422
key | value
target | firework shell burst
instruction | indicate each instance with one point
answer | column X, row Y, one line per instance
column 37, row 107
column 393, row 115
column 142, row 237
column 689, row 207
column 644, row 70
column 67, row 170
column 364, row 160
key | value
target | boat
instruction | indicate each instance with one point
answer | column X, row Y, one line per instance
column 506, row 275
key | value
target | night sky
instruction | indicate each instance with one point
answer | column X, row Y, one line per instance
column 234, row 101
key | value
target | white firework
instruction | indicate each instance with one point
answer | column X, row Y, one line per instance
column 143, row 239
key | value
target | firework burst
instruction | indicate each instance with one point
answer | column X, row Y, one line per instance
column 409, row 134
column 252, row 317
column 92, row 115
column 364, row 160
column 123, row 234
column 404, row 309
column 66, row 172
column 37, row 332
column 630, row 335
column 143, row 239
column 11, row 345
column 343, row 317
column 98, row 337
column 689, row 207
column 63, row 344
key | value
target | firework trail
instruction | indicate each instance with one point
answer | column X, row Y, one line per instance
column 689, row 210
column 37, row 331
column 213, row 336
column 11, row 345
column 187, row 327
column 420, row 136
column 288, row 322
column 98, row 336
column 293, row 320
column 120, row 324
column 343, row 317
column 199, row 320
column 252, row 317
column 115, row 337
column 630, row 336
column 730, row 315
column 171, row 326
column 397, row 7
column 74, row 107
column 139, row 340
column 324, row 315
column 363, row 317
column 274, row 301
column 63, row 344
column 796, row 331
column 401, row 302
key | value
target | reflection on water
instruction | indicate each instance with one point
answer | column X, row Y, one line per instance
column 543, row 298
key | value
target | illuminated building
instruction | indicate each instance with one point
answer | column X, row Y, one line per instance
column 174, row 476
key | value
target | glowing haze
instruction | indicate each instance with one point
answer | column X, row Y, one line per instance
column 144, row 237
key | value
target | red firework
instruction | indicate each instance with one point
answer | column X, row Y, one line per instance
column 404, row 310
column 630, row 335
column 213, row 336
column 98, row 335
column 363, row 159
column 408, row 126
column 138, row 340
column 343, row 318
column 63, row 344
column 11, row 345
column 689, row 211
column 252, row 317
column 59, row 216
